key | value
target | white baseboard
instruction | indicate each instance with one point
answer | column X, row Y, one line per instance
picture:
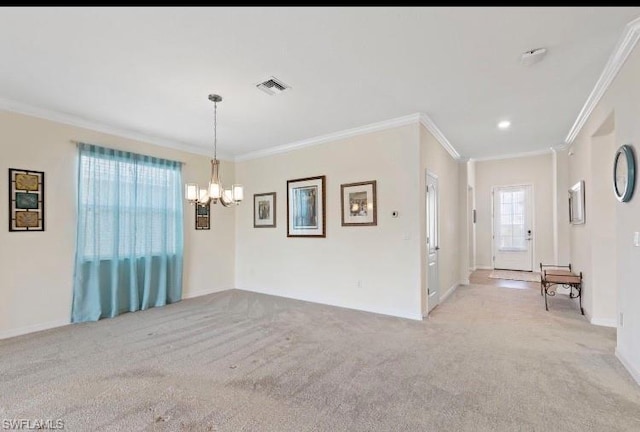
column 33, row 328
column 484, row 267
column 363, row 308
column 634, row 371
column 449, row 292
column 465, row 282
column 199, row 293
column 604, row 322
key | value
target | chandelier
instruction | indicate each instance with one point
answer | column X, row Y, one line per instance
column 215, row 190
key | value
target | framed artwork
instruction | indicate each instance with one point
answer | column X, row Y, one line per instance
column 306, row 207
column 26, row 200
column 576, row 203
column 264, row 210
column 203, row 216
column 359, row 206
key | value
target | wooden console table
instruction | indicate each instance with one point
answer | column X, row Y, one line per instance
column 553, row 276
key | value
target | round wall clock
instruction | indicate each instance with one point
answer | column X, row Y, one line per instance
column 624, row 173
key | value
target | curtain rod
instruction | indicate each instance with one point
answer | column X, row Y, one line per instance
column 74, row 142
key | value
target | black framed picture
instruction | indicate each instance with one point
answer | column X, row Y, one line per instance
column 264, row 210
column 26, row 200
column 359, row 206
column 306, row 202
column 203, row 216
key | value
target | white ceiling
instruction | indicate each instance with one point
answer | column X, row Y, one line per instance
column 149, row 70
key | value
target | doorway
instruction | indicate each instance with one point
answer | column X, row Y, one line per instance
column 433, row 279
column 513, row 227
column 471, row 237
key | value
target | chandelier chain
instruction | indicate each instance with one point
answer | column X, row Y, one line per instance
column 215, row 130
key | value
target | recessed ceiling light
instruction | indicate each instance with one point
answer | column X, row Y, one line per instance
column 504, row 124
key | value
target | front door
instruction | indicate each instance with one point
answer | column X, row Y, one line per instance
column 513, row 227
column 433, row 280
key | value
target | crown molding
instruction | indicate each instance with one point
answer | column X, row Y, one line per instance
column 72, row 120
column 426, row 121
column 623, row 48
column 334, row 136
column 513, row 155
column 561, row 147
column 361, row 130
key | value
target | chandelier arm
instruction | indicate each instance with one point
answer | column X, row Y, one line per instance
column 226, row 203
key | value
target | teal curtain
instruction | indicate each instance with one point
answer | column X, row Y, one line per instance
column 129, row 241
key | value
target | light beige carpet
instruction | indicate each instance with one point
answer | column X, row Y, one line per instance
column 515, row 275
column 487, row 359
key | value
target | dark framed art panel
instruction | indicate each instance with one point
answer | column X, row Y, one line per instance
column 359, row 204
column 203, row 216
column 264, row 210
column 306, row 207
column 26, row 200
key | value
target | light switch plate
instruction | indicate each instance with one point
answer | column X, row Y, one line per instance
column 636, row 239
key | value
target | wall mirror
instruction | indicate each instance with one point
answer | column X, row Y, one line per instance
column 576, row 203
column 624, row 173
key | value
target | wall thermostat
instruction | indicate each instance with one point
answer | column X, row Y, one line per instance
column 394, row 213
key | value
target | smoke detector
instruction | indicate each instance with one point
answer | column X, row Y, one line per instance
column 273, row 86
column 532, row 56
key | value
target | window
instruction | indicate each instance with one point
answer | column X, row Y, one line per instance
column 129, row 238
column 129, row 205
column 512, row 220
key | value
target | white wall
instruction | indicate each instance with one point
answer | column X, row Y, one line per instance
column 561, row 236
column 372, row 268
column 593, row 244
column 36, row 268
column 536, row 170
column 471, row 190
column 465, row 226
column 603, row 232
column 623, row 100
column 436, row 160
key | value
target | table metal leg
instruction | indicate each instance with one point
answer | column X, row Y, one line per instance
column 546, row 304
column 580, row 300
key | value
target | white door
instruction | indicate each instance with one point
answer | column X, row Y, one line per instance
column 433, row 280
column 513, row 227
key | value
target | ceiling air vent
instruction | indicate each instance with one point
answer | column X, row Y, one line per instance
column 273, row 86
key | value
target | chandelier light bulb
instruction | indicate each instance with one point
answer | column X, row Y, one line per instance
column 191, row 191
column 238, row 192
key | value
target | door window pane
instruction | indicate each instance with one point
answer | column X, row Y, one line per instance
column 512, row 219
